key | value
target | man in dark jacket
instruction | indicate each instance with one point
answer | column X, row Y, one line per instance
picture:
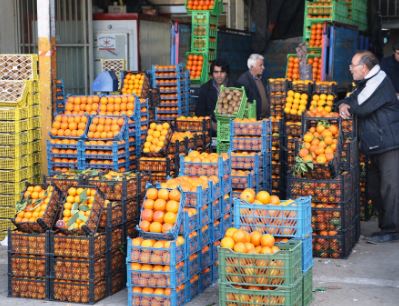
column 255, row 86
column 376, row 106
column 208, row 92
column 390, row 65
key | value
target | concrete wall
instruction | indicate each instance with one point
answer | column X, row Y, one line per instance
column 8, row 26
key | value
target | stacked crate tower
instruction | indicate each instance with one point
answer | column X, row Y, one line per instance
column 20, row 131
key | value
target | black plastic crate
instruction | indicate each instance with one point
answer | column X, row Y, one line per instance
column 337, row 190
column 31, row 288
column 328, row 219
column 116, row 282
column 88, row 292
column 350, row 154
column 28, row 243
column 20, row 266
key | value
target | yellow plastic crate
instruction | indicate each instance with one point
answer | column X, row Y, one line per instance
column 34, row 146
column 34, row 158
column 34, row 170
column 14, row 175
column 14, row 93
column 7, row 212
column 14, row 163
column 19, row 67
column 14, row 139
column 13, row 113
column 7, row 188
column 5, row 224
column 8, row 201
column 14, row 126
column 33, row 123
column 34, row 135
column 33, row 111
column 14, row 151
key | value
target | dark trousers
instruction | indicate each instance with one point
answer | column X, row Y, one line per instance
column 383, row 180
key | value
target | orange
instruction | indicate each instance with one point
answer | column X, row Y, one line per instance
column 267, row 240
column 172, row 206
column 174, row 195
column 274, row 200
column 155, row 227
column 159, row 204
column 240, row 248
column 148, row 203
column 255, row 238
column 263, row 196
column 152, row 194
column 158, row 216
column 163, row 194
column 248, row 195
column 166, row 227
column 239, row 236
column 147, row 214
column 227, row 242
column 170, row 218
column 230, row 232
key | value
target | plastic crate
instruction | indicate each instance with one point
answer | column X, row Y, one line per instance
column 292, row 219
column 24, row 266
column 172, row 277
column 203, row 44
column 307, row 254
column 221, row 168
column 246, row 161
column 48, row 218
column 280, row 270
column 216, row 10
column 174, row 298
column 250, row 111
column 28, row 244
column 170, row 255
column 256, row 128
column 239, row 113
column 12, row 188
column 307, row 292
column 14, row 163
column 223, row 129
column 337, row 190
column 243, row 181
column 229, row 295
column 223, row 147
column 13, row 113
column 217, row 230
column 38, row 288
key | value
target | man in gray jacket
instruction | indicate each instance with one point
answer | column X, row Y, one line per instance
column 375, row 104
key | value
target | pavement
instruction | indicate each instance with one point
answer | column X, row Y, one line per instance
column 369, row 277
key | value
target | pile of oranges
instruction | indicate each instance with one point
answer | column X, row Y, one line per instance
column 117, row 105
column 82, row 104
column 241, row 241
column 262, row 197
column 63, row 141
column 200, row 5
column 320, row 144
column 105, row 127
column 293, row 68
column 69, row 125
column 316, row 34
column 157, row 137
column 77, row 207
column 160, row 210
column 134, row 83
column 321, row 105
column 194, row 65
column 296, row 103
column 34, row 203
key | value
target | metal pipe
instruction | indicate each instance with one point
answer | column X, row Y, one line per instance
column 91, row 43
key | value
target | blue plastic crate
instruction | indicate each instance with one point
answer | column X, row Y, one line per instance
column 227, row 186
column 227, row 205
column 88, row 118
column 205, row 214
column 206, row 256
column 216, row 209
column 193, row 243
column 175, row 298
column 194, row 287
column 217, row 230
column 221, row 168
column 198, row 198
column 116, row 166
column 247, row 143
column 64, row 146
column 215, row 251
column 245, row 162
column 171, row 255
column 172, row 234
column 194, row 264
column 189, row 223
column 227, row 222
column 206, row 278
column 216, row 191
column 284, row 220
column 205, row 235
column 114, row 146
column 243, row 181
column 175, row 277
column 123, row 133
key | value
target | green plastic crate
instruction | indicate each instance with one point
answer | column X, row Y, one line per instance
column 203, row 44
column 294, row 55
column 241, row 110
column 204, row 30
column 282, row 269
column 203, row 18
column 229, row 295
column 222, row 147
column 250, row 111
column 205, row 68
column 217, row 8
column 359, row 18
column 307, row 292
column 223, row 129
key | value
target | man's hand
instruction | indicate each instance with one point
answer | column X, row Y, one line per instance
column 344, row 111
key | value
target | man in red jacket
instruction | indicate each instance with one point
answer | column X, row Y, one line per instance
column 376, row 106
